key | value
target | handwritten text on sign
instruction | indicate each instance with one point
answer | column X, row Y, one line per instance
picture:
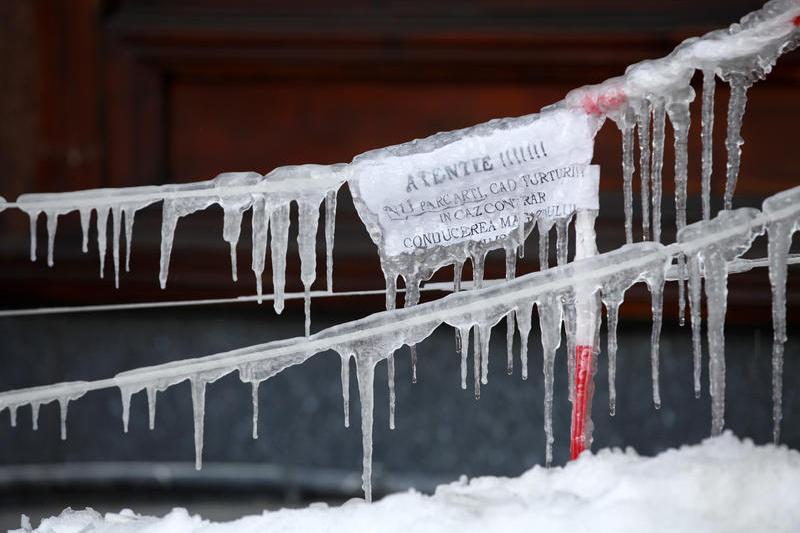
column 477, row 188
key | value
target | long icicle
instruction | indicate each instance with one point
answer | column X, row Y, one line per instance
column 366, row 379
column 391, row 303
column 346, row 389
column 695, row 295
column 733, row 141
column 657, row 165
column 612, row 302
column 511, row 264
column 680, row 118
column 151, row 406
column 627, row 129
column 279, row 235
column 657, row 299
column 643, row 128
column 707, row 136
column 52, row 227
column 780, row 240
column 330, row 230
column 254, row 393
column 198, row 411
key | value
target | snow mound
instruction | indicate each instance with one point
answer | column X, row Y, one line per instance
column 723, row 484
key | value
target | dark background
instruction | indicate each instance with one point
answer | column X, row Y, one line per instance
column 99, row 94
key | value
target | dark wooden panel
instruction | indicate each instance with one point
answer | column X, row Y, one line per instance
column 141, row 92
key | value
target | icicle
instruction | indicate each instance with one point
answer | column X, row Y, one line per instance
column 544, row 244
column 151, row 407
column 550, row 315
column 172, row 210
column 126, row 407
column 115, row 232
column 695, row 295
column 780, row 230
column 63, row 404
column 169, row 220
column 391, row 303
column 279, row 232
column 458, row 267
column 612, row 301
column 719, row 243
column 366, row 378
column 657, row 163
column 523, row 316
column 12, row 413
column 680, row 118
column 255, row 385
column 86, row 220
column 346, row 390
column 707, row 133
column 307, row 310
column 330, row 229
column 308, row 222
column 477, row 350
column 260, row 227
column 35, row 415
column 198, row 410
column 102, row 235
column 643, row 127
column 233, row 209
column 130, row 215
column 570, row 329
column 486, row 335
column 511, row 265
column 52, row 227
column 476, row 361
column 34, row 218
column 716, row 296
column 733, row 141
column 780, row 240
column 392, row 398
column 234, row 267
column 562, row 240
column 656, row 285
column 626, row 128
column 412, row 299
column 463, row 335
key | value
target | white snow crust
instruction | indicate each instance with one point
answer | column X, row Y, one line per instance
column 721, row 485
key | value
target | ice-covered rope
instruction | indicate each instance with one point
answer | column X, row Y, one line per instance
column 737, row 266
column 709, row 245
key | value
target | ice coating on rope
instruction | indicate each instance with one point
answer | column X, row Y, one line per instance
column 714, row 244
column 783, row 211
column 235, row 192
column 739, row 54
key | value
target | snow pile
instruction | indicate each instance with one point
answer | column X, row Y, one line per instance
column 723, row 484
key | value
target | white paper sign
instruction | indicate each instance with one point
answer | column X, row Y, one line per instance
column 476, row 188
